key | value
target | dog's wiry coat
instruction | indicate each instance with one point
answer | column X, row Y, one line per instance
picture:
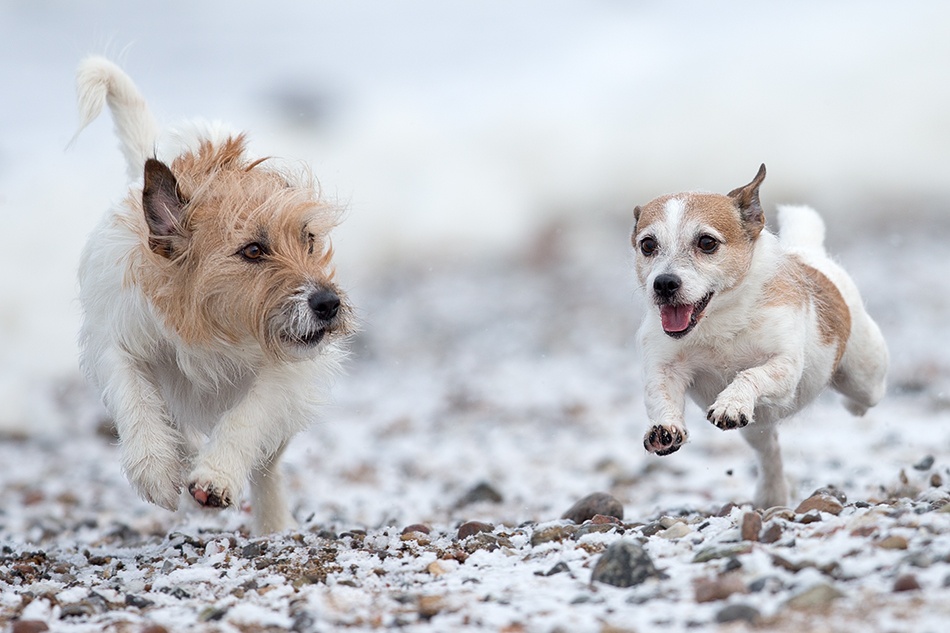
column 752, row 326
column 212, row 324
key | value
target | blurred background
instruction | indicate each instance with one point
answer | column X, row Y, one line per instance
column 473, row 131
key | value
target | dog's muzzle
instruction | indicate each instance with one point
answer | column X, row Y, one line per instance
column 311, row 317
column 677, row 318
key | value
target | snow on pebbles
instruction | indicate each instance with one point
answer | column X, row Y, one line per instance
column 450, row 489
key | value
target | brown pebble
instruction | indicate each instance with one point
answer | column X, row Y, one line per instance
column 29, row 626
column 470, row 528
column 751, row 526
column 416, row 527
column 602, row 519
column 720, row 588
column 893, row 542
column 592, row 505
column 822, row 503
column 772, row 533
column 936, row 480
column 907, row 582
column 154, row 628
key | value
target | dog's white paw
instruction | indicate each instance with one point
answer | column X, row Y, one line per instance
column 212, row 488
column 731, row 411
column 157, row 480
column 664, row 439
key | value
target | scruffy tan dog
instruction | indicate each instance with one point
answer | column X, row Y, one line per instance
column 212, row 324
column 752, row 326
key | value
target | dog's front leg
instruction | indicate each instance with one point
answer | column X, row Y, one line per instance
column 773, row 383
column 665, row 401
column 249, row 437
column 149, row 443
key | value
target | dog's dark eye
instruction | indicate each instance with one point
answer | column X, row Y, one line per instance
column 707, row 244
column 253, row 252
column 648, row 246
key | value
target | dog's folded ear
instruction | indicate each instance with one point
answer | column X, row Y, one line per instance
column 750, row 209
column 163, row 205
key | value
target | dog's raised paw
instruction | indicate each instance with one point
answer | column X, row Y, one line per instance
column 209, row 496
column 726, row 419
column 664, row 439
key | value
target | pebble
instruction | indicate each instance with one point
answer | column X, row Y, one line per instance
column 718, row 588
column 624, row 564
column 560, row 568
column 551, row 533
column 417, row 527
column 675, row 531
column 29, row 626
column 715, row 552
column 772, row 533
column 154, row 628
column 822, row 503
column 815, row 597
column 751, row 526
column 470, row 528
column 906, row 582
column 481, row 492
column 925, row 463
column 893, row 542
column 592, row 505
column 737, row 613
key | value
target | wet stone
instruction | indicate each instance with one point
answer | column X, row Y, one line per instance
column 598, row 503
column 624, row 564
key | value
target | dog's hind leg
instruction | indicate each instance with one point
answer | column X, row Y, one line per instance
column 771, row 489
column 861, row 376
column 268, row 503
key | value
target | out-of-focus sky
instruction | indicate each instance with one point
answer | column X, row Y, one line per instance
column 461, row 128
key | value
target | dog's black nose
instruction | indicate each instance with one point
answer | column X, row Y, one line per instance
column 324, row 303
column 666, row 285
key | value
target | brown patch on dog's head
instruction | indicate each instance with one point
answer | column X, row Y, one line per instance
column 237, row 252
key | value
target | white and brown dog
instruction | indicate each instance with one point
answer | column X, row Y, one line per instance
column 752, row 326
column 211, row 323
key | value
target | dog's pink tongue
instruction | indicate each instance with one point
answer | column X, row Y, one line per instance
column 675, row 318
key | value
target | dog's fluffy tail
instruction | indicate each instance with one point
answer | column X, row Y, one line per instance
column 801, row 228
column 99, row 81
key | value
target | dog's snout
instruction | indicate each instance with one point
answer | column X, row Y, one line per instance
column 324, row 303
column 666, row 285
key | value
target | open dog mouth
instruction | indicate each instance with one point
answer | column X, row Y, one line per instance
column 679, row 319
column 305, row 339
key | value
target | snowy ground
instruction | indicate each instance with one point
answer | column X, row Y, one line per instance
column 488, row 158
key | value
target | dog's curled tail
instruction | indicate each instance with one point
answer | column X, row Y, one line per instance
column 99, row 81
column 801, row 228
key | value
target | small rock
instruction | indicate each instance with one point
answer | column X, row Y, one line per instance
column 936, row 480
column 560, row 568
column 417, row 527
column 419, row 537
column 131, row 600
column 772, row 533
column 893, row 542
column 481, row 492
column 719, row 588
column 253, row 550
column 589, row 527
column 907, row 582
column 925, row 463
column 470, row 528
column 440, row 568
column 832, row 491
column 778, row 512
column 675, row 531
column 751, row 526
column 624, row 564
column 715, row 552
column 822, row 503
column 737, row 613
column 552, row 533
column 430, row 606
column 816, row 597
column 29, row 626
column 592, row 505
column 605, row 519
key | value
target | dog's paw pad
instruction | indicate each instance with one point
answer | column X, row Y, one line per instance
column 663, row 440
column 727, row 418
column 208, row 496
